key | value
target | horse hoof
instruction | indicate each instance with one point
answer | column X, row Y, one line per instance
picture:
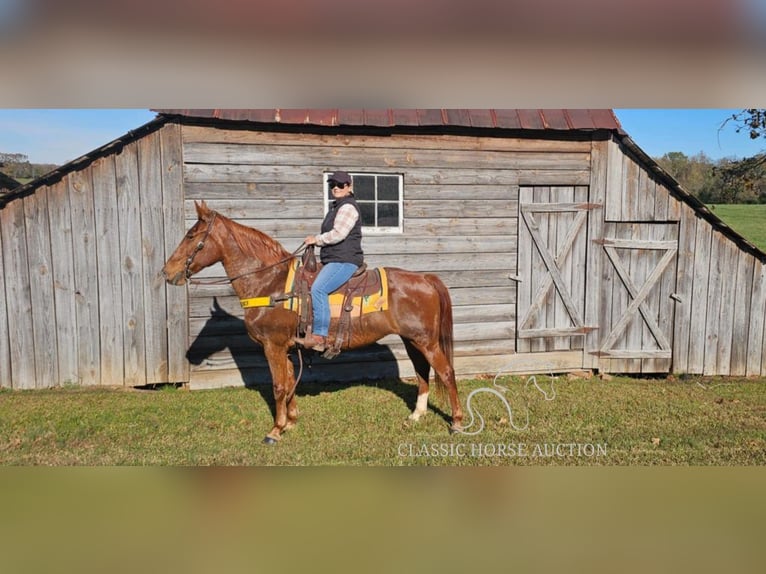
column 269, row 440
column 455, row 429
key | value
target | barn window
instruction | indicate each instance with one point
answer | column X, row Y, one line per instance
column 379, row 196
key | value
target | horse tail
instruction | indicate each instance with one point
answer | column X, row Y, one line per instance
column 446, row 327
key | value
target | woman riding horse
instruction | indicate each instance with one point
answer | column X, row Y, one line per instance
column 419, row 310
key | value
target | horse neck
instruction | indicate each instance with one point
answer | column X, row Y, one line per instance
column 247, row 251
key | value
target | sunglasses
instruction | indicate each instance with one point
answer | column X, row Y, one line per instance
column 333, row 184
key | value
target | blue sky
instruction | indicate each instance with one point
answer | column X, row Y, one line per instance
column 58, row 136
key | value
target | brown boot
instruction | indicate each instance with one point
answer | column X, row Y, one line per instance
column 312, row 341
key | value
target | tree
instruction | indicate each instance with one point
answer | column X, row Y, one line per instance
column 748, row 174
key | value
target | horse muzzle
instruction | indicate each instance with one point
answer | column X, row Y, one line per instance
column 177, row 279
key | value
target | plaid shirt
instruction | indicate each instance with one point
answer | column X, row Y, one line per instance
column 344, row 223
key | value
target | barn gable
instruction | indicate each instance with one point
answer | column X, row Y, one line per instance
column 564, row 247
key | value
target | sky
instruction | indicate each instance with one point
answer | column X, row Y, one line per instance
column 59, row 136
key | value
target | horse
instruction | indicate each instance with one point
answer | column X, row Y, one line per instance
column 256, row 265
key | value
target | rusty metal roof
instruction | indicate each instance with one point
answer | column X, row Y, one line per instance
column 529, row 119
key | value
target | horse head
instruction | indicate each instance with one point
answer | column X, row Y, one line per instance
column 197, row 250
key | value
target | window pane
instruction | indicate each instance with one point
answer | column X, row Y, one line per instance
column 368, row 213
column 364, row 187
column 388, row 188
column 388, row 215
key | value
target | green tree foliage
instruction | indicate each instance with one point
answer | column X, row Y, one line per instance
column 747, row 175
column 726, row 180
column 17, row 166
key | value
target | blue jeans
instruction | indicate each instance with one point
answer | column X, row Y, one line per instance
column 332, row 276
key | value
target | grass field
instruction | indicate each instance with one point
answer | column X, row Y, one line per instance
column 748, row 220
column 623, row 421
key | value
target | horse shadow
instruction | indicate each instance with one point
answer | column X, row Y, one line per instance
column 223, row 330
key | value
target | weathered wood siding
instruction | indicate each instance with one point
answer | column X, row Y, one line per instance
column 722, row 304
column 709, row 302
column 81, row 298
column 461, row 211
column 559, row 254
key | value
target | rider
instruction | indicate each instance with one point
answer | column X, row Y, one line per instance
column 341, row 254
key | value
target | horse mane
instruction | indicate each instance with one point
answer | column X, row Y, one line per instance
column 256, row 243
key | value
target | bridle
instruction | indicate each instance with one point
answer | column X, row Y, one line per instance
column 200, row 246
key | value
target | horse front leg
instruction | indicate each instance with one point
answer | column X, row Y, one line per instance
column 283, row 382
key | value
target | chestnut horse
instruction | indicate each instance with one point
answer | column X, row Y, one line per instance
column 419, row 310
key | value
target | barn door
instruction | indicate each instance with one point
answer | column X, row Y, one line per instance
column 637, row 300
column 551, row 268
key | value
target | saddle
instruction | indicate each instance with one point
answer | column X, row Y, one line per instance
column 365, row 292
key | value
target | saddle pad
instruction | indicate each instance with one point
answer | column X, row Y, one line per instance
column 363, row 304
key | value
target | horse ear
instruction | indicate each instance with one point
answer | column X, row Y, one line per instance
column 202, row 209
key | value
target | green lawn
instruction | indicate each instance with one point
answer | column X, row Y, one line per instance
column 623, row 421
column 748, row 220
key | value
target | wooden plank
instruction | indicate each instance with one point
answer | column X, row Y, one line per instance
column 634, row 354
column 646, row 196
column 683, row 288
column 6, row 382
column 637, row 271
column 631, row 193
column 703, row 246
column 577, row 264
column 593, row 253
column 661, row 200
column 614, row 178
column 192, row 134
column 131, row 253
column 667, row 305
column 18, row 301
column 176, row 298
column 302, row 192
column 725, row 319
column 606, row 299
column 327, row 156
column 742, row 313
column 302, row 174
column 501, row 245
column 243, row 209
column 62, row 247
column 674, row 208
column 641, row 244
column 38, row 239
column 107, row 224
column 714, row 300
column 524, row 269
column 86, row 277
column 619, row 304
column 756, row 361
column 153, row 258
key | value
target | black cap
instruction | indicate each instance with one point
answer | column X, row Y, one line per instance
column 340, row 176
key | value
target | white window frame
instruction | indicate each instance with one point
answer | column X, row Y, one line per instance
column 367, row 229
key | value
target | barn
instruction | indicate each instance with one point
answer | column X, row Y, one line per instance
column 564, row 247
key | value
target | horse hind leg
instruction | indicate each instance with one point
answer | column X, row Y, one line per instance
column 442, row 366
column 422, row 372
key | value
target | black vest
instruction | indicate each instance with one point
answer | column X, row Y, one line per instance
column 350, row 249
